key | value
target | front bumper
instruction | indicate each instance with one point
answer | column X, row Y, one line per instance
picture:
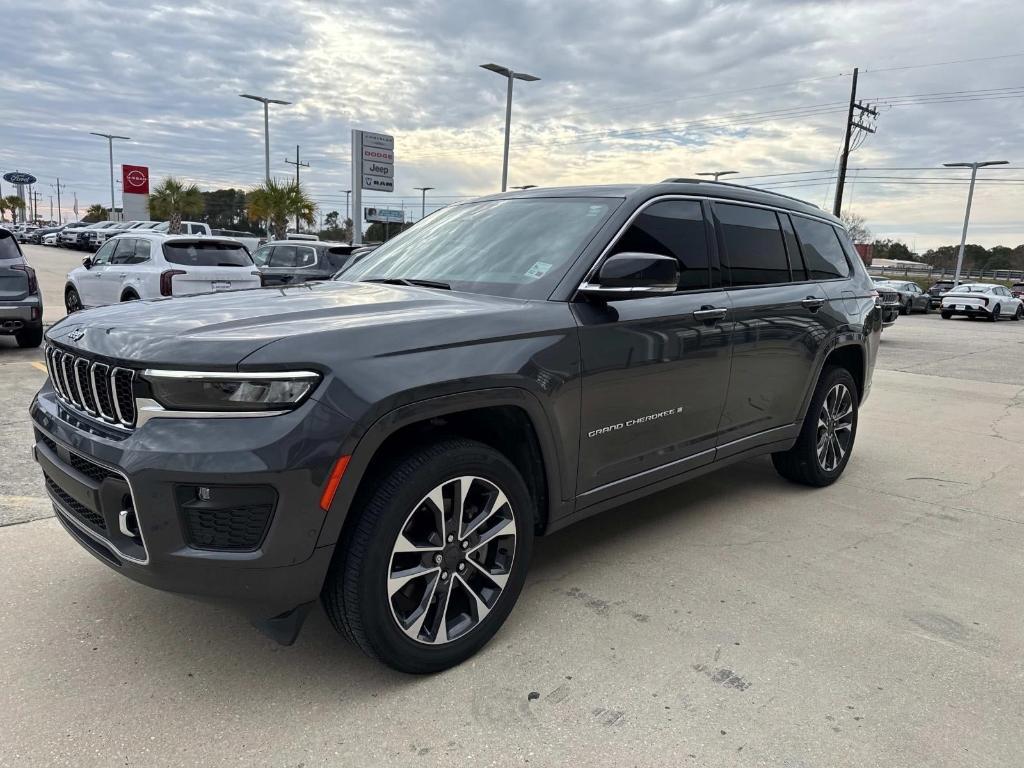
column 94, row 473
column 18, row 315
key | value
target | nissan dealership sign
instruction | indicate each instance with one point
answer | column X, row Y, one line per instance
column 135, row 179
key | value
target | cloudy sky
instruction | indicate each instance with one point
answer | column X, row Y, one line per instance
column 630, row 92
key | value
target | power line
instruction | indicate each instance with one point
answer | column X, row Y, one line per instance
column 944, row 63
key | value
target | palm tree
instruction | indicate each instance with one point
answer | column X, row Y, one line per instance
column 12, row 203
column 276, row 201
column 172, row 200
column 95, row 212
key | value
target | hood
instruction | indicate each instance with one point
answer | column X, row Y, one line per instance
column 218, row 330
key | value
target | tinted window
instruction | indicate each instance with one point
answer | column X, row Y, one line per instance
column 822, row 250
column 206, row 254
column 754, row 250
column 124, row 252
column 338, row 257
column 142, row 251
column 283, row 256
column 672, row 228
column 8, row 247
column 796, row 259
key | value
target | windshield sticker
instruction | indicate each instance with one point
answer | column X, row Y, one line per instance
column 539, row 269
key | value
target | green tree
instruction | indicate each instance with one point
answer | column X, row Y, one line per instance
column 12, row 203
column 172, row 200
column 380, row 232
column 94, row 213
column 224, row 208
column 892, row 249
column 277, row 201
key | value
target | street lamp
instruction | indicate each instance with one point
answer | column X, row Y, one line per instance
column 967, row 216
column 424, row 190
column 266, row 124
column 508, row 73
column 110, row 147
column 716, row 174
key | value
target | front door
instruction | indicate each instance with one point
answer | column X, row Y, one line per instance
column 656, row 369
column 90, row 283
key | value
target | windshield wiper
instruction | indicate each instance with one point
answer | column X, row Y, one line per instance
column 409, row 281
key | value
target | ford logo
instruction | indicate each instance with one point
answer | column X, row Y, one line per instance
column 17, row 177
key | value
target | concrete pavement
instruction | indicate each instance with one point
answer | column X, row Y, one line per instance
column 734, row 621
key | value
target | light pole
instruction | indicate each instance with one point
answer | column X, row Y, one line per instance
column 347, row 193
column 508, row 73
column 967, row 216
column 110, row 146
column 716, row 174
column 266, row 125
column 423, row 208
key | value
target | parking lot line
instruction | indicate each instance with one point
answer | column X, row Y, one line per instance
column 37, row 364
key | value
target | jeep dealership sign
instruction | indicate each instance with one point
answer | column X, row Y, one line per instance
column 373, row 168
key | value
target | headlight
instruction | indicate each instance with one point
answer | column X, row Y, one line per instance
column 215, row 391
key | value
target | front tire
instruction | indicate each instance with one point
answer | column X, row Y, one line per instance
column 72, row 301
column 1019, row 313
column 996, row 311
column 436, row 558
column 826, row 439
column 946, row 315
column 905, row 309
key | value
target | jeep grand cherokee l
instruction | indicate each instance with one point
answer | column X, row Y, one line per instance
column 391, row 442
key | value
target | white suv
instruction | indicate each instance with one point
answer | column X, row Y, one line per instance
column 148, row 265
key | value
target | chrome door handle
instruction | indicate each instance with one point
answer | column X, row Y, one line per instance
column 812, row 303
column 709, row 314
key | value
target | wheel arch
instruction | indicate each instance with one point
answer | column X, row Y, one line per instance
column 528, row 442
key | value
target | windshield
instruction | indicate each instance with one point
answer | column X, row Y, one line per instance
column 510, row 247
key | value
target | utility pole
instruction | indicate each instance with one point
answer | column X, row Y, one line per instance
column 297, row 162
column 851, row 123
column 51, row 209
column 347, row 193
column 58, row 186
column 35, row 203
column 423, row 205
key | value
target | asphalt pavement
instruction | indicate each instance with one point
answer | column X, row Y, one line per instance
column 734, row 621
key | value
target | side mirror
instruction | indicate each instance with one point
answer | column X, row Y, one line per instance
column 87, row 262
column 634, row 276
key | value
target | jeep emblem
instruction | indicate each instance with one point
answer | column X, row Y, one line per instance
column 76, row 334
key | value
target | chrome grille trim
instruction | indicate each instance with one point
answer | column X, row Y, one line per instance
column 91, row 388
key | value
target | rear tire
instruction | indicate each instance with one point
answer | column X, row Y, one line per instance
column 402, row 621
column 905, row 309
column 826, row 439
column 946, row 315
column 29, row 337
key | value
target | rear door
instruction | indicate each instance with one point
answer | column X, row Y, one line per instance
column 776, row 324
column 121, row 259
column 655, row 369
column 208, row 266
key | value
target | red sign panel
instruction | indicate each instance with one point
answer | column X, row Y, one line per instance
column 135, row 179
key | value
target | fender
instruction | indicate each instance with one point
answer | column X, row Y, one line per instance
column 845, row 338
column 559, row 496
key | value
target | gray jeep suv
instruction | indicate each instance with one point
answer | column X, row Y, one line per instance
column 391, row 442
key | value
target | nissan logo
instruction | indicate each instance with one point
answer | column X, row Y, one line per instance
column 136, row 178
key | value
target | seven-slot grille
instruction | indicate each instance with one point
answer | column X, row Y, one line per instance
column 100, row 390
column 889, row 297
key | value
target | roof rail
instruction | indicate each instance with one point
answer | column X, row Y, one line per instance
column 683, row 180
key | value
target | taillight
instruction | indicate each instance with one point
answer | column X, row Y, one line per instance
column 33, row 284
column 165, row 280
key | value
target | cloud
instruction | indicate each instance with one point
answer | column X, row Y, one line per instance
column 629, row 92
